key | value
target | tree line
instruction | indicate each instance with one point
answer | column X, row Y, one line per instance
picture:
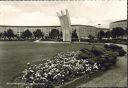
column 27, row 34
column 115, row 33
column 54, row 34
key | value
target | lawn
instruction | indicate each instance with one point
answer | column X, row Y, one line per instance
column 15, row 55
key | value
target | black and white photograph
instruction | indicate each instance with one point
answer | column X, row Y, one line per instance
column 63, row 43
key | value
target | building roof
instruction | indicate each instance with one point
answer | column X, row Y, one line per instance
column 103, row 29
column 41, row 26
column 26, row 26
column 120, row 21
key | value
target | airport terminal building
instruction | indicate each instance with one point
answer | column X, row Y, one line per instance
column 120, row 23
column 82, row 30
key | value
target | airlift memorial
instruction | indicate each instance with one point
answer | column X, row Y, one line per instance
column 65, row 25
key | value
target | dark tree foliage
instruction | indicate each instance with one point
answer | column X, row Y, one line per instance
column 101, row 35
column 38, row 34
column 74, row 34
column 113, row 33
column 54, row 34
column 26, row 34
column 117, row 32
column 1, row 35
column 126, row 32
column 4, row 34
column 108, row 34
column 120, row 31
column 61, row 34
column 91, row 38
column 9, row 34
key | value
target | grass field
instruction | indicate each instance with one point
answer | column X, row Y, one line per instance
column 15, row 55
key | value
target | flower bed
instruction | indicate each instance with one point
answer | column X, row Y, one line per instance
column 65, row 67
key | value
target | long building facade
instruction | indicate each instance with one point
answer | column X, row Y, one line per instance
column 120, row 23
column 82, row 30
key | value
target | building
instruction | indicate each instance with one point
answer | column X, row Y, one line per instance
column 104, row 29
column 120, row 23
column 82, row 30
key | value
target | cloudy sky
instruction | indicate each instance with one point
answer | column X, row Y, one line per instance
column 41, row 13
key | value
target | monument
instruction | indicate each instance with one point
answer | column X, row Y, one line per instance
column 65, row 25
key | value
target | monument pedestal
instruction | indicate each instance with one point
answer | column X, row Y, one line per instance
column 66, row 36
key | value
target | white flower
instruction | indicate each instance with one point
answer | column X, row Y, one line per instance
column 95, row 66
column 37, row 74
column 28, row 63
column 88, row 69
column 86, row 64
column 45, row 74
column 57, row 70
column 31, row 71
column 31, row 77
column 50, row 73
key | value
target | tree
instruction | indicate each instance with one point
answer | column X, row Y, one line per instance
column 126, row 32
column 108, row 34
column 101, row 35
column 120, row 32
column 117, row 32
column 54, row 34
column 4, row 35
column 74, row 35
column 113, row 33
column 38, row 34
column 26, row 34
column 61, row 34
column 91, row 38
column 9, row 34
column 23, row 35
column 1, row 35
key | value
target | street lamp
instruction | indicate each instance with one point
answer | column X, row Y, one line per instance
column 98, row 29
column 99, row 26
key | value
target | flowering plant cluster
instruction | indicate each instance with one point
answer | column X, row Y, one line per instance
column 67, row 66
column 64, row 67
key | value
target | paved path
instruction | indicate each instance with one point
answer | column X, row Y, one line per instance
column 116, row 77
column 49, row 42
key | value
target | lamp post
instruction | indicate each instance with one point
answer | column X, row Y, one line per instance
column 99, row 26
column 98, row 31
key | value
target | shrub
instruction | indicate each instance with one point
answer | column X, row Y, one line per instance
column 84, row 50
column 84, row 54
column 106, row 46
column 111, row 59
column 105, row 66
column 115, row 48
column 106, row 61
column 121, row 52
column 97, row 52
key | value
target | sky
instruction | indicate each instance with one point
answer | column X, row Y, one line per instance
column 43, row 13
